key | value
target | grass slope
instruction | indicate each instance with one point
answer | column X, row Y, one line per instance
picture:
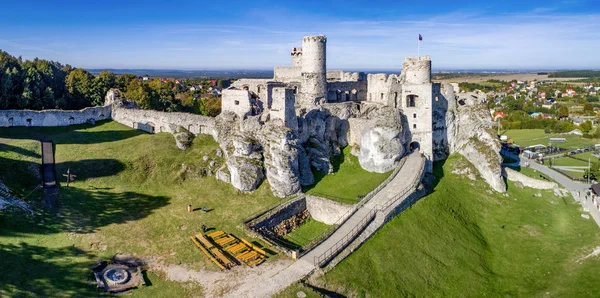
column 347, row 181
column 130, row 195
column 463, row 241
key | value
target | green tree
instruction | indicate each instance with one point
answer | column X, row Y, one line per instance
column 563, row 112
column 585, row 126
column 101, row 85
column 588, row 107
column 79, row 84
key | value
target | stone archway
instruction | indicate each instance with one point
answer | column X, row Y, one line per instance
column 414, row 146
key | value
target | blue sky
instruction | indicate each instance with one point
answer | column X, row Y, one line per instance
column 259, row 34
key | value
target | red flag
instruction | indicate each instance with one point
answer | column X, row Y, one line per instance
column 420, row 37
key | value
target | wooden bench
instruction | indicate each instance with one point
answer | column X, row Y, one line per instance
column 219, row 254
column 255, row 262
column 235, row 249
column 209, row 255
column 248, row 256
column 225, row 240
column 216, row 234
column 204, row 241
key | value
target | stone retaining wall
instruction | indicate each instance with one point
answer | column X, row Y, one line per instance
column 50, row 118
column 279, row 214
column 326, row 211
column 515, row 176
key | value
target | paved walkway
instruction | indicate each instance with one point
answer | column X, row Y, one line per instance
column 577, row 189
column 270, row 285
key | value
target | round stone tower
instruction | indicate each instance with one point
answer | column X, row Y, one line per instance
column 314, row 71
column 297, row 57
column 417, row 70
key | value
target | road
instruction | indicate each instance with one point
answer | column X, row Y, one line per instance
column 577, row 189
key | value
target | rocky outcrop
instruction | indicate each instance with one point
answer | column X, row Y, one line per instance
column 183, row 138
column 258, row 147
column 469, row 133
column 280, row 158
column 383, row 142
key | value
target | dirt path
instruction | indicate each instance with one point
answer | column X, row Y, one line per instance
column 221, row 283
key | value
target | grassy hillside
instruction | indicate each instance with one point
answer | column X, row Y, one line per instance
column 463, row 241
column 130, row 196
column 348, row 183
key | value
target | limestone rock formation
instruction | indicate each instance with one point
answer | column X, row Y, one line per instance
column 382, row 143
column 280, row 158
column 260, row 147
column 183, row 138
column 113, row 96
column 469, row 134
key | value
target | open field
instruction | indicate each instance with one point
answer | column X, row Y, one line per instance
column 474, row 78
column 130, row 196
column 463, row 241
column 529, row 137
column 348, row 181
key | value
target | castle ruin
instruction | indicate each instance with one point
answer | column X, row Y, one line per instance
column 309, row 84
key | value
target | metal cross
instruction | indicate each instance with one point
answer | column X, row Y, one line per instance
column 70, row 177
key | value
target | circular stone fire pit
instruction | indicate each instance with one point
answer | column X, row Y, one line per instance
column 116, row 275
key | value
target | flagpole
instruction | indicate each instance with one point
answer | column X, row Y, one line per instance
column 419, row 47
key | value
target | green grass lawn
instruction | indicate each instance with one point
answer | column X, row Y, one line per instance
column 529, row 137
column 348, row 181
column 306, row 232
column 130, row 194
column 461, row 241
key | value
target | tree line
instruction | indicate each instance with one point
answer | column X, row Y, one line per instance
column 41, row 84
column 575, row 74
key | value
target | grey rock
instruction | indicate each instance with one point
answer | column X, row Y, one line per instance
column 246, row 173
column 382, row 143
column 91, row 121
column 223, row 174
column 183, row 138
column 205, row 158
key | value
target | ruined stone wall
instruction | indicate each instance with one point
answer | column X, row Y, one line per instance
column 256, row 86
column 283, row 107
column 326, row 211
column 346, row 91
column 53, row 117
column 288, row 74
column 384, row 89
column 442, row 102
column 343, row 76
column 237, row 101
column 155, row 121
column 357, row 127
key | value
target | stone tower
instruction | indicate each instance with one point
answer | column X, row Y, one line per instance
column 297, row 57
column 314, row 71
column 417, row 104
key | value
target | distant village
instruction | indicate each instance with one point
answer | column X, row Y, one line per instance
column 571, row 103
